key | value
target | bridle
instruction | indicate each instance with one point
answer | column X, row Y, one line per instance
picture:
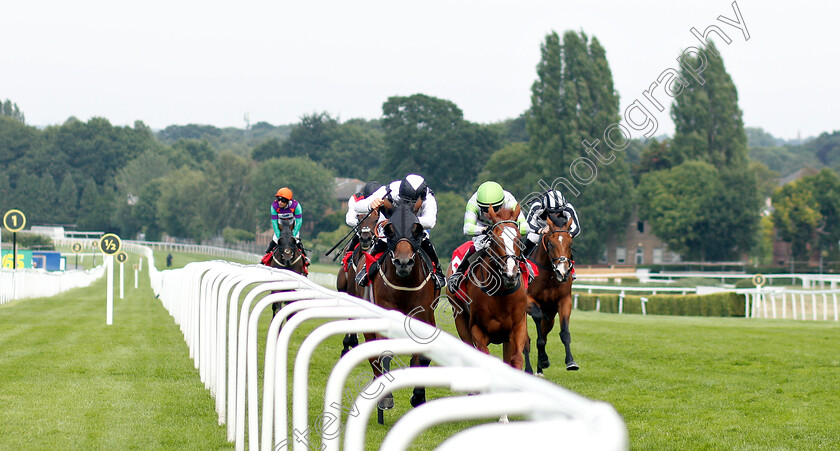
column 556, row 262
column 282, row 262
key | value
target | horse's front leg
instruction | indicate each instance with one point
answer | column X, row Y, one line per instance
column 512, row 349
column 565, row 335
column 380, row 364
column 418, row 396
column 544, row 326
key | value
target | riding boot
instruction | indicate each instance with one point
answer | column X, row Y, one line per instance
column 271, row 246
column 429, row 249
column 363, row 277
column 303, row 252
column 529, row 248
column 455, row 277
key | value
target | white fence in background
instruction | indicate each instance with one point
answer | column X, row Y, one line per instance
column 795, row 304
column 218, row 304
column 34, row 283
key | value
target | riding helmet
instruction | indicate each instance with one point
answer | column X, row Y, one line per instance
column 284, row 192
column 553, row 200
column 413, row 187
column 370, row 188
column 490, row 193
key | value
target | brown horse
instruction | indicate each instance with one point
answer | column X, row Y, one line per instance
column 403, row 283
column 287, row 254
column 551, row 290
column 490, row 304
column 345, row 282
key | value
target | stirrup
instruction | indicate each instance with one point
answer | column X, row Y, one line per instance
column 455, row 280
column 439, row 280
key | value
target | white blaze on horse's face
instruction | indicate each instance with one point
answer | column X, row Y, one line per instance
column 509, row 238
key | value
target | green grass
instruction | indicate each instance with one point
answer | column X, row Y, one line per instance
column 68, row 381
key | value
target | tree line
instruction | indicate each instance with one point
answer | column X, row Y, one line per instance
column 701, row 190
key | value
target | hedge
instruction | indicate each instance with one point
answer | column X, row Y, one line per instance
column 726, row 304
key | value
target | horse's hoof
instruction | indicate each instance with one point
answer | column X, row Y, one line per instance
column 386, row 403
column 572, row 366
column 540, row 375
column 417, row 400
column 344, row 351
column 543, row 364
column 529, row 370
column 504, row 419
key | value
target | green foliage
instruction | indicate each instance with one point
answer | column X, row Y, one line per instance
column 572, row 100
column 197, row 151
column 11, row 110
column 269, row 148
column 514, row 168
column 429, row 136
column 726, row 304
column 183, row 209
column 30, row 241
column 807, row 213
column 707, row 119
column 312, row 137
column 232, row 235
column 679, row 203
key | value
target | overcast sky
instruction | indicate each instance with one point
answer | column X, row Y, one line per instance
column 171, row 62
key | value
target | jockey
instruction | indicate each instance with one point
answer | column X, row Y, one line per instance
column 285, row 207
column 477, row 221
column 411, row 188
column 352, row 218
column 551, row 202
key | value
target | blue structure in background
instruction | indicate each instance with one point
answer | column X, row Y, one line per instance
column 50, row 260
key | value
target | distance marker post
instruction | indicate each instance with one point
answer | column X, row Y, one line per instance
column 136, row 276
column 76, row 248
column 14, row 221
column 121, row 258
column 109, row 244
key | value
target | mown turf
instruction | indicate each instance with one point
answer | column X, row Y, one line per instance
column 68, row 381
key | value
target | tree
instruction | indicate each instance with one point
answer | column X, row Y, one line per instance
column 269, row 148
column 355, row 151
column 199, row 152
column 68, row 198
column 707, row 119
column 95, row 207
column 513, row 168
column 182, row 208
column 11, row 110
column 679, row 203
column 797, row 217
column 429, row 136
column 227, row 193
column 312, row 137
column 573, row 100
column 709, row 129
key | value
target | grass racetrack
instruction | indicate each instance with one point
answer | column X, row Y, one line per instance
column 68, row 381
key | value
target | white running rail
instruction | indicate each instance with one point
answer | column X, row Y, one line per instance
column 218, row 304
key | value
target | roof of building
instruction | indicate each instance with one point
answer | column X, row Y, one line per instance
column 344, row 187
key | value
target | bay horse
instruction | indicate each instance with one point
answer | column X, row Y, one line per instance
column 287, row 254
column 403, row 283
column 551, row 290
column 491, row 301
column 345, row 282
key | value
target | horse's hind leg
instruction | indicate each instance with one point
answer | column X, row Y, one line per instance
column 419, row 395
column 526, row 355
column 565, row 335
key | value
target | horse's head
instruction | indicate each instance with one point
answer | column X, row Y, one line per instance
column 366, row 230
column 286, row 244
column 404, row 233
column 504, row 248
column 558, row 245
